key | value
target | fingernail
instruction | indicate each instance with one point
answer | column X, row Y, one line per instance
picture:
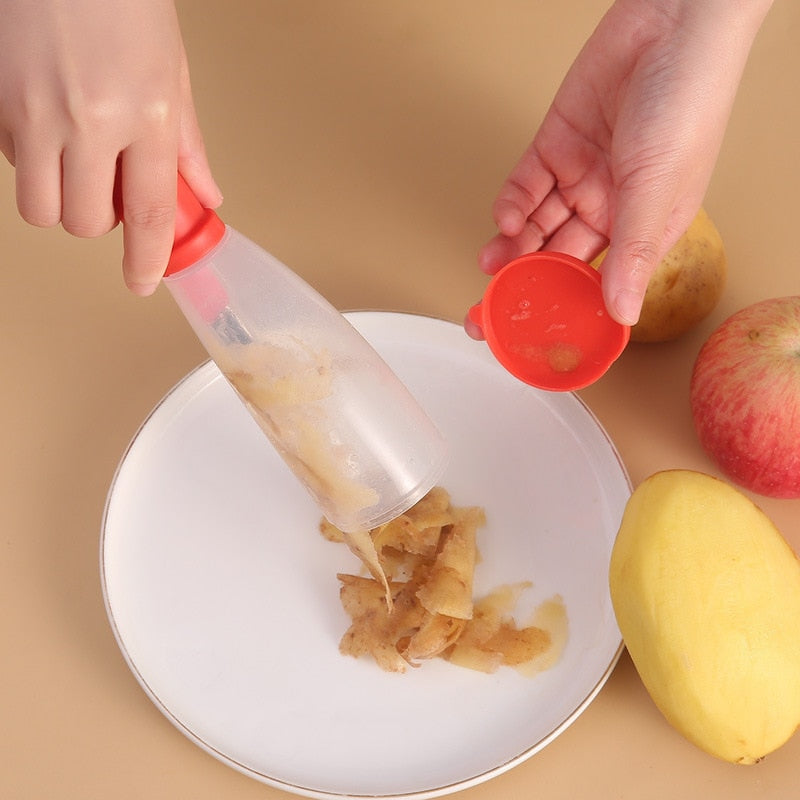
column 627, row 306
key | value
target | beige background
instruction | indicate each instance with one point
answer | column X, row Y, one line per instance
column 362, row 143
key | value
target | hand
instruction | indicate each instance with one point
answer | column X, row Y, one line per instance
column 626, row 151
column 93, row 93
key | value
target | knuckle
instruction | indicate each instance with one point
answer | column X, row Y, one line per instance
column 90, row 114
column 158, row 112
column 642, row 258
column 29, row 110
column 151, row 216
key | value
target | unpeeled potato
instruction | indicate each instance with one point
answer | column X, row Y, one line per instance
column 686, row 285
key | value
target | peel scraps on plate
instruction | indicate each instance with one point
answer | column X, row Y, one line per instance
column 417, row 602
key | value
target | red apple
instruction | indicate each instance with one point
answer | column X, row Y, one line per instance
column 745, row 396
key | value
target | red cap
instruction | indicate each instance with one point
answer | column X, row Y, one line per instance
column 197, row 230
column 544, row 318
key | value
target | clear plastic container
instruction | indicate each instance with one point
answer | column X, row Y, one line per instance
column 348, row 428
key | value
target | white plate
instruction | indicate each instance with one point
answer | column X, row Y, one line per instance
column 224, row 598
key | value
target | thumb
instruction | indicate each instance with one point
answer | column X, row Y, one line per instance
column 640, row 236
column 626, row 271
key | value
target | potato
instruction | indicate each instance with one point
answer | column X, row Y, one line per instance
column 706, row 593
column 686, row 286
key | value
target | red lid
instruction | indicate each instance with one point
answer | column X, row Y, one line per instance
column 544, row 318
column 197, row 230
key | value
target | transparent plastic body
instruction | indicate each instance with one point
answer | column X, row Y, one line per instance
column 343, row 422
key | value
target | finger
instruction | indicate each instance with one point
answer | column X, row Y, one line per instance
column 550, row 215
column 38, row 182
column 149, row 196
column 7, row 146
column 523, row 191
column 472, row 330
column 192, row 158
column 635, row 251
column 508, row 212
column 87, row 191
column 577, row 239
column 497, row 252
column 197, row 174
column 535, row 231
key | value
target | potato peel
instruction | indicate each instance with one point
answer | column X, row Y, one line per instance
column 360, row 543
column 417, row 604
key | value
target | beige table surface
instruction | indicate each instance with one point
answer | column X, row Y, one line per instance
column 362, row 142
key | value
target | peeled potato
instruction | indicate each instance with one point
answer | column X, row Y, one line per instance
column 686, row 285
column 706, row 592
